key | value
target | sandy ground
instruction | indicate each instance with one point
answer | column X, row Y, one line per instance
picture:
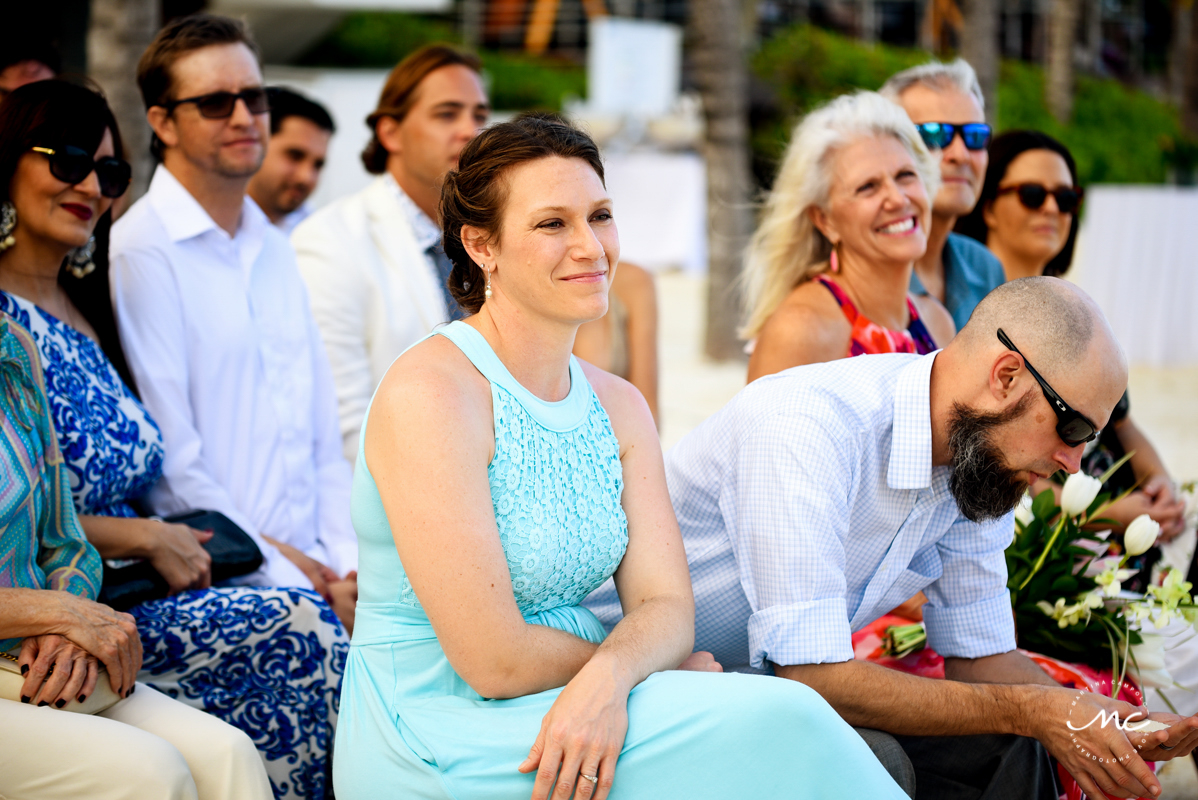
column 1164, row 401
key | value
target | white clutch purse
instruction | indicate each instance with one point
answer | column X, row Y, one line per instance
column 11, row 681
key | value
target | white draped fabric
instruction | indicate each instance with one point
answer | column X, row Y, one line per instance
column 1138, row 258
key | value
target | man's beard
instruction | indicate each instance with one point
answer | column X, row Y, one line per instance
column 983, row 485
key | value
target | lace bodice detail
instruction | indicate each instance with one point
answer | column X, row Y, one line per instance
column 556, row 492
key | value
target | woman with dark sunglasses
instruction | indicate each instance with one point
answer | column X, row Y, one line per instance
column 268, row 661
column 1027, row 213
column 1028, row 216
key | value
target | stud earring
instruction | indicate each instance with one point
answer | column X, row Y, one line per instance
column 79, row 260
column 487, row 293
column 8, row 223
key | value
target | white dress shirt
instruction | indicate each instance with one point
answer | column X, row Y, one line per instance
column 374, row 289
column 809, row 507
column 220, row 338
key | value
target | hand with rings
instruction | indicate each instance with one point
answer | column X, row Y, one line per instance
column 581, row 737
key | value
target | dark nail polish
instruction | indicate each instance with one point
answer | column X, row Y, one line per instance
column 82, row 698
column 41, row 703
column 24, row 669
column 59, row 703
column 25, row 698
column 133, row 688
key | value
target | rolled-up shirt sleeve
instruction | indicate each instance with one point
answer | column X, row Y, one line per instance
column 786, row 501
column 968, row 614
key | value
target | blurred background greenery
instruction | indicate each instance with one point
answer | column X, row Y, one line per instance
column 1117, row 134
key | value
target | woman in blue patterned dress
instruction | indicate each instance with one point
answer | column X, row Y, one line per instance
column 268, row 661
column 499, row 481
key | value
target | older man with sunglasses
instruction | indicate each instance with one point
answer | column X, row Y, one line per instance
column 821, row 497
column 945, row 102
column 216, row 324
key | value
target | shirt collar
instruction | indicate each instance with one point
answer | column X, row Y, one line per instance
column 426, row 231
column 184, row 217
column 911, row 439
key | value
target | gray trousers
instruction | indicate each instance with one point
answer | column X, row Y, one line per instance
column 990, row 767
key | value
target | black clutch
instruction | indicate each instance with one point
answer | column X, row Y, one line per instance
column 233, row 553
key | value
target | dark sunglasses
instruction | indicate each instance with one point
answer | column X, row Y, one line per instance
column 220, row 105
column 72, row 164
column 1072, row 427
column 1033, row 195
column 939, row 135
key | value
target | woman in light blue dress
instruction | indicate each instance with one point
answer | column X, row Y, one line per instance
column 499, row 481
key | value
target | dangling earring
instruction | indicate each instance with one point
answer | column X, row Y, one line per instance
column 834, row 260
column 487, row 293
column 79, row 260
column 8, row 223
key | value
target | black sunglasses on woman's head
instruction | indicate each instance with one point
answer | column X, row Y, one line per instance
column 1033, row 195
column 1072, row 427
column 71, row 165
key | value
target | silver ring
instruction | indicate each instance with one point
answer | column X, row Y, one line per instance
column 591, row 778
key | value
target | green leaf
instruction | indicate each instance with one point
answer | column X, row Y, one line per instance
column 1065, row 584
column 1045, row 505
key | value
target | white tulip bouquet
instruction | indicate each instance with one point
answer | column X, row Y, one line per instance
column 1068, row 598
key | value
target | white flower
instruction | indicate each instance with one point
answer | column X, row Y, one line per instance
column 1079, row 492
column 1023, row 511
column 1140, row 535
column 1066, row 615
column 1111, row 580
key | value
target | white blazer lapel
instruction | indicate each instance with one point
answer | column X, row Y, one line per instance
column 406, row 261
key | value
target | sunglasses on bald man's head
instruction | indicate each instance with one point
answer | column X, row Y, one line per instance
column 72, row 165
column 1072, row 427
column 220, row 105
column 939, row 135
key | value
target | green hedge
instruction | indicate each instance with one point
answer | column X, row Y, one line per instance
column 1117, row 134
column 381, row 39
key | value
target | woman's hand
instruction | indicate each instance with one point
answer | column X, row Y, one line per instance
column 110, row 636
column 57, row 671
column 177, row 552
column 582, row 734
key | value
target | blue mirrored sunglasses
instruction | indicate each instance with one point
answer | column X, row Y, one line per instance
column 939, row 135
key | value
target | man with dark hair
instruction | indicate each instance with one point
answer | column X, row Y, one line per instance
column 376, row 273
column 821, row 497
column 216, row 325
column 300, row 130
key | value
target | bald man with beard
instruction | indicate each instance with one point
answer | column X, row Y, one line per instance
column 823, row 496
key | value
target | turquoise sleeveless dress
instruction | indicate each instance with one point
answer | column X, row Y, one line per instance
column 410, row 727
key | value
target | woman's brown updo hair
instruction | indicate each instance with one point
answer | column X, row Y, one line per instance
column 475, row 193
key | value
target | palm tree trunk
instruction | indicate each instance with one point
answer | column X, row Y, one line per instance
column 979, row 46
column 120, row 32
column 718, row 39
column 1189, row 98
column 1061, row 34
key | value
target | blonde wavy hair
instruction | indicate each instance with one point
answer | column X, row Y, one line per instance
column 787, row 249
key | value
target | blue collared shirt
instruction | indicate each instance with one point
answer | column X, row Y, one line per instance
column 809, row 507
column 970, row 273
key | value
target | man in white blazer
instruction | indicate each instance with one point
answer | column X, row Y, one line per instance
column 376, row 272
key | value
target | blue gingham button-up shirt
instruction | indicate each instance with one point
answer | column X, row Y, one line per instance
column 809, row 507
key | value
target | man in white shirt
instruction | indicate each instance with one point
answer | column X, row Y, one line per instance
column 376, row 273
column 821, row 497
column 215, row 320
column 300, row 130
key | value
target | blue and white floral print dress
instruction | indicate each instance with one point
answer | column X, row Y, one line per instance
column 268, row 661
